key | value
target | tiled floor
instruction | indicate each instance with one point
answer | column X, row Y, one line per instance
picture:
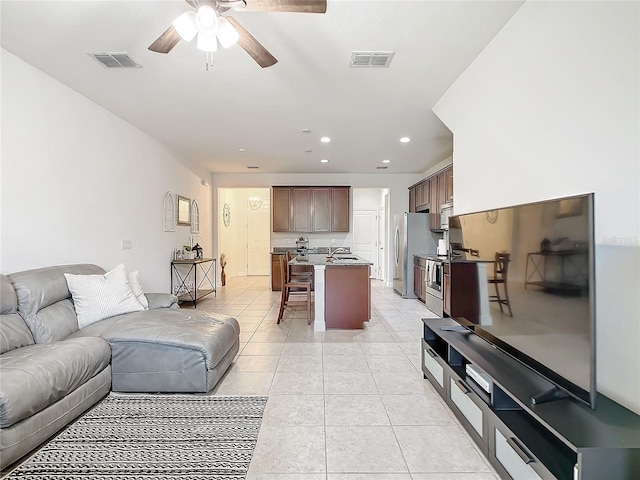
column 343, row 405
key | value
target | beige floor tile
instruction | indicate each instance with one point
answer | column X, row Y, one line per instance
column 268, row 337
column 355, row 410
column 294, row 410
column 289, row 450
column 344, row 383
column 438, row 449
column 332, row 348
column 389, row 363
column 255, row 363
column 300, row 364
column 244, row 383
column 302, row 348
column 263, row 349
column 361, row 449
column 369, row 476
column 297, row 383
column 286, row 476
column 454, row 476
column 406, row 383
column 425, row 409
column 345, row 363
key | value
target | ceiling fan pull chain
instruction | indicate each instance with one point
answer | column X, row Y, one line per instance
column 208, row 60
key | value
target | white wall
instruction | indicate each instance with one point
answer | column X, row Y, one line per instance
column 396, row 183
column 76, row 180
column 551, row 108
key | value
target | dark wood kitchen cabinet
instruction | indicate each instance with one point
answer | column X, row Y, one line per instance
column 321, row 209
column 419, row 197
column 311, row 209
column 281, row 206
column 340, row 210
column 301, row 201
column 431, row 193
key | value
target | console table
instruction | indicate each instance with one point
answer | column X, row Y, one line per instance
column 572, row 276
column 564, row 439
column 194, row 279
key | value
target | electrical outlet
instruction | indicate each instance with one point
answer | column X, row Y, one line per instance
column 125, row 244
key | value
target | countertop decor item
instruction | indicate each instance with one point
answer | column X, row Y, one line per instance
column 223, row 263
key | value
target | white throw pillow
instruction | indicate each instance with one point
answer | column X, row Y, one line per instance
column 96, row 297
column 136, row 288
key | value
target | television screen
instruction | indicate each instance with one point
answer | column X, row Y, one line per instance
column 535, row 267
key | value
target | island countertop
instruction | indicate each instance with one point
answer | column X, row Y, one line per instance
column 347, row 259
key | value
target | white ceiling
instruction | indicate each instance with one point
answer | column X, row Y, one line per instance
column 206, row 116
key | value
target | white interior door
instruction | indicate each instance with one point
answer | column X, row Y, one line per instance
column 365, row 237
column 258, row 227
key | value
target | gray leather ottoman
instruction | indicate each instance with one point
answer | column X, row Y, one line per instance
column 168, row 350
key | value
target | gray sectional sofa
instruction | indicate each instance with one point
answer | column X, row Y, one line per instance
column 51, row 371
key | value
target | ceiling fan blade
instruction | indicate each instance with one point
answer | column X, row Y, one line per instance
column 250, row 45
column 165, row 42
column 192, row 3
column 302, row 6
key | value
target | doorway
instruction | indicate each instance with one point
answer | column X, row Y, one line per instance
column 370, row 206
column 244, row 230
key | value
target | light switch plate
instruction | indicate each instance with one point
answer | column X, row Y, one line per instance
column 125, row 244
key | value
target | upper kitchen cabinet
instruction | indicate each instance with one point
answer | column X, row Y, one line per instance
column 448, row 184
column 321, row 211
column 301, row 209
column 311, row 209
column 340, row 209
column 419, row 197
column 281, row 205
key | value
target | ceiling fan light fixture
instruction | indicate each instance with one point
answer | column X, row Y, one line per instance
column 207, row 43
column 227, row 35
column 185, row 25
column 206, row 21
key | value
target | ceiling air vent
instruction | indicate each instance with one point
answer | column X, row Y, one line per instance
column 371, row 59
column 115, row 60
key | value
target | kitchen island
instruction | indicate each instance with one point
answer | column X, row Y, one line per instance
column 342, row 290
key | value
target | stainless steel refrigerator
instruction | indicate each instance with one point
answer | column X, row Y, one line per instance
column 411, row 237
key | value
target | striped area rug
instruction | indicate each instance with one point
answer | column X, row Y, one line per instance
column 146, row 437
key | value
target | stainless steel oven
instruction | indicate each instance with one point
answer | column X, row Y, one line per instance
column 434, row 278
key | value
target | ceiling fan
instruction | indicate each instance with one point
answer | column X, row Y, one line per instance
column 206, row 21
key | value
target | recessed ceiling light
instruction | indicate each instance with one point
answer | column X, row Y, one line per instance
column 325, row 139
column 405, row 139
column 324, row 160
column 306, row 130
column 386, row 161
column 242, row 149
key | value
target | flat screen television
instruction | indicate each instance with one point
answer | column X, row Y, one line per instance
column 545, row 318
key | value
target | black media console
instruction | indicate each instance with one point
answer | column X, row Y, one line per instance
column 563, row 439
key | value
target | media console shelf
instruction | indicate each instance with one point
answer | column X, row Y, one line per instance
column 563, row 439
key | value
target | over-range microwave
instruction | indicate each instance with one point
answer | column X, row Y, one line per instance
column 446, row 211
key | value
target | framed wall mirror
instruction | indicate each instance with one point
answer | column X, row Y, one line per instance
column 184, row 211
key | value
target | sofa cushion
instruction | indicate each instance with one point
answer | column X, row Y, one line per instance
column 44, row 300
column 96, row 297
column 14, row 333
column 212, row 334
column 136, row 288
column 36, row 376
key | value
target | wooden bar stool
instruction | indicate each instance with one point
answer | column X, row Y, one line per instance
column 292, row 286
column 500, row 271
